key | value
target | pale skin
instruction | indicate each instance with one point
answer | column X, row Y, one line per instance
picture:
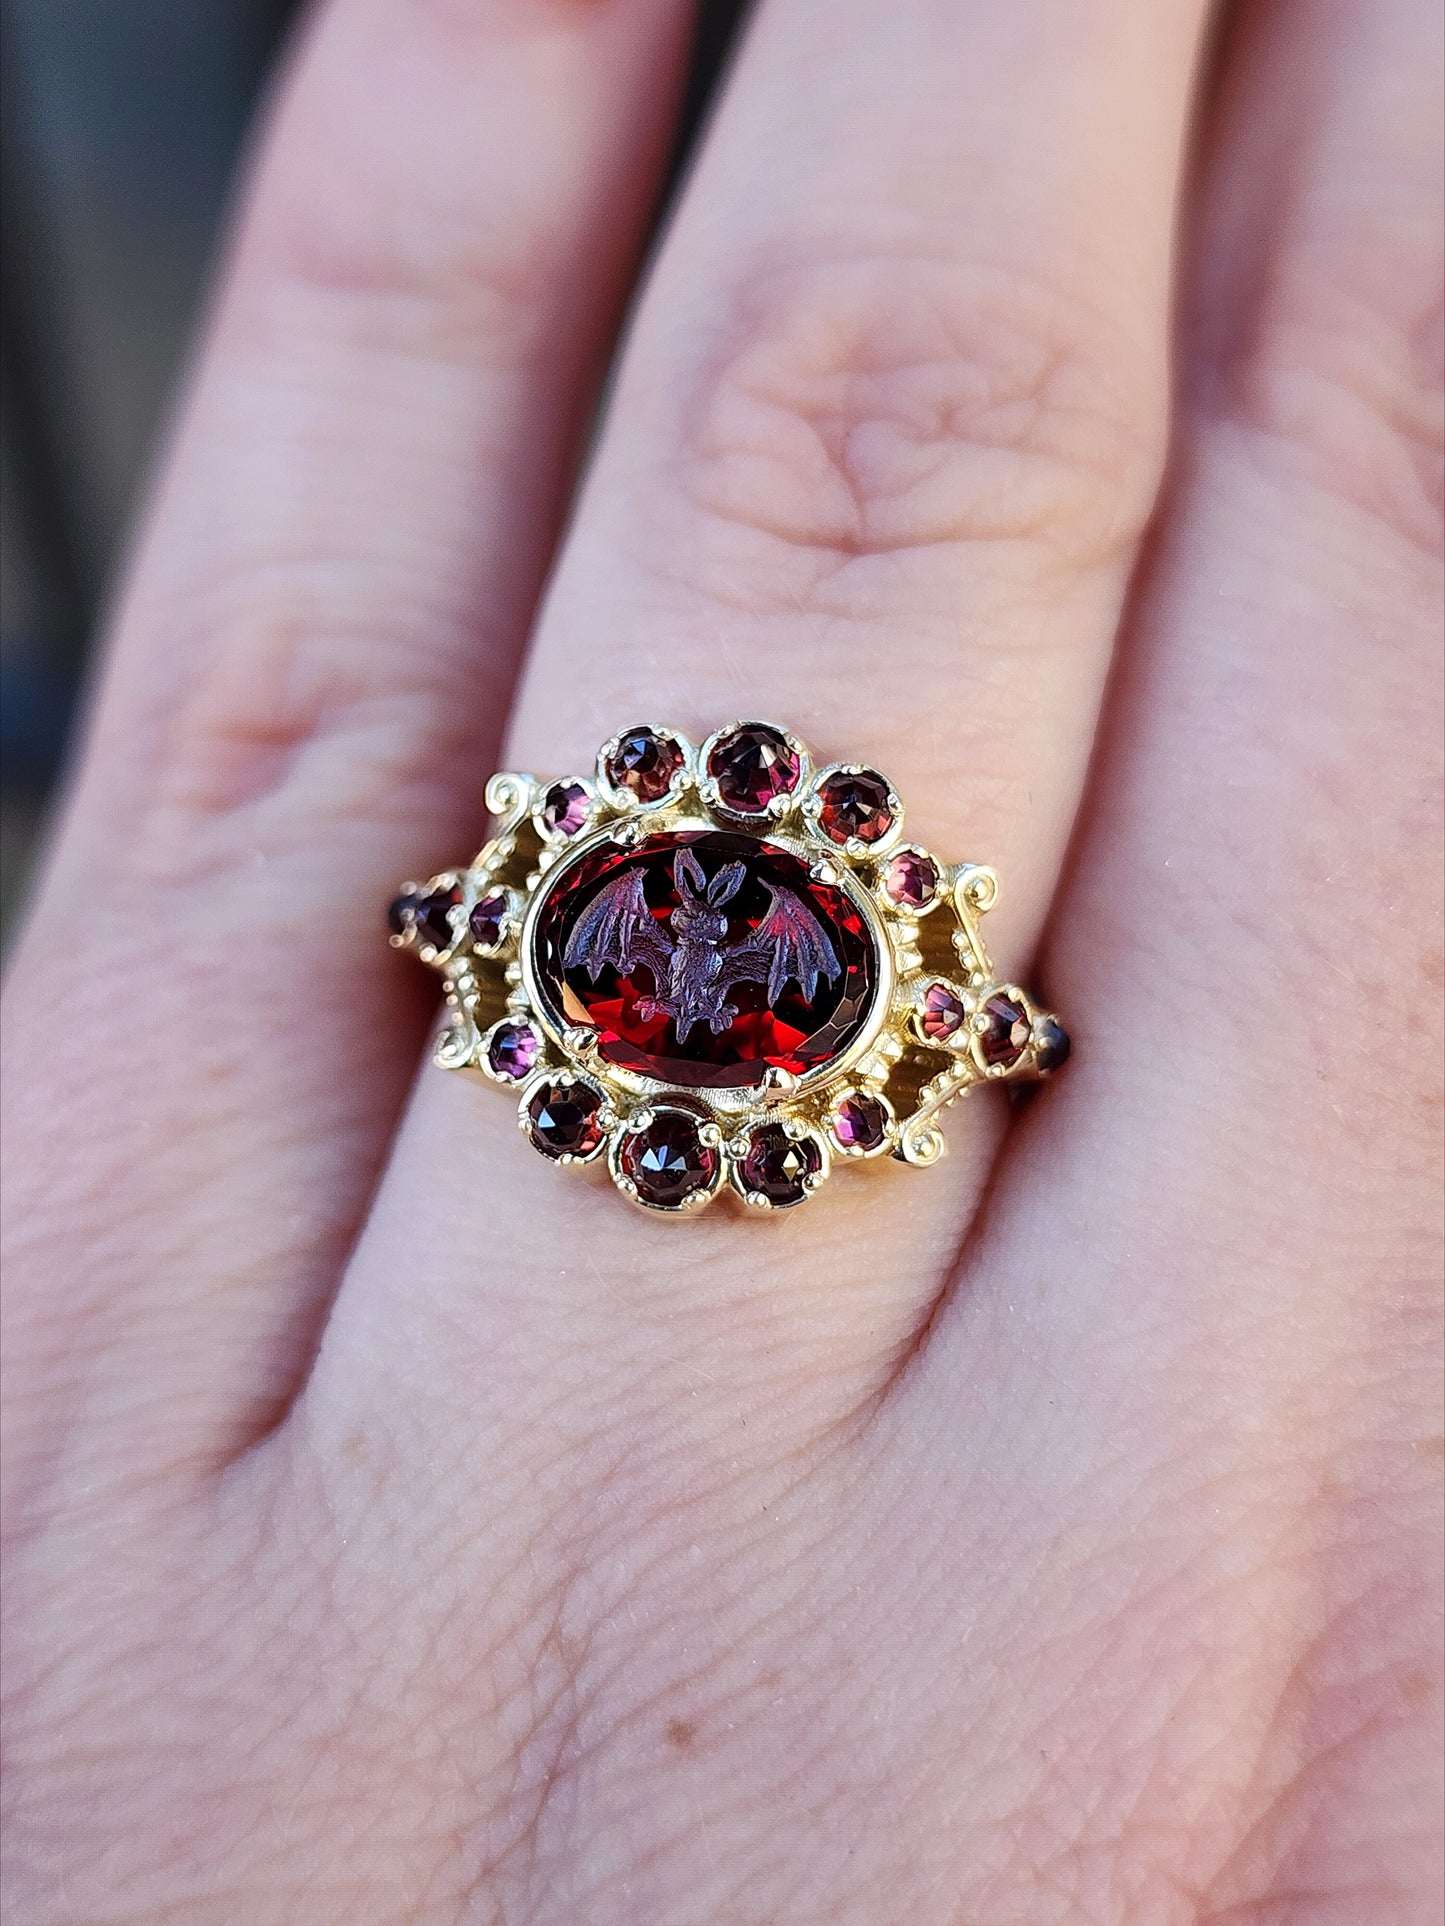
column 1041, row 402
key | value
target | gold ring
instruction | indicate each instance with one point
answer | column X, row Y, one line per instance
column 720, row 968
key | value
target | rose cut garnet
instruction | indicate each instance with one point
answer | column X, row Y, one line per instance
column 1003, row 1033
column 942, row 1013
column 512, row 1050
column 431, row 917
column 704, row 959
column 667, row 1161
column 1051, row 1044
column 644, row 764
column 854, row 808
column 911, row 879
column 752, row 765
column 488, row 919
column 565, row 808
column 861, row 1122
column 779, row 1167
column 563, row 1119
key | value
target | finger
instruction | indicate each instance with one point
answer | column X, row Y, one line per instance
column 885, row 436
column 1212, row 1283
column 309, row 669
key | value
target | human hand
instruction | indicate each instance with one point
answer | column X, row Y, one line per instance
column 399, row 1529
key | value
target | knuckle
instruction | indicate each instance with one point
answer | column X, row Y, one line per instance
column 861, row 409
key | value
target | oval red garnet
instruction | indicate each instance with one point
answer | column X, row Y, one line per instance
column 752, row 765
column 779, row 1167
column 667, row 1160
column 1004, row 1031
column 854, row 808
column 562, row 1119
column 644, row 764
column 704, row 959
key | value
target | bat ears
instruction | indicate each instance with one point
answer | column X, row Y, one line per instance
column 725, row 884
column 688, row 874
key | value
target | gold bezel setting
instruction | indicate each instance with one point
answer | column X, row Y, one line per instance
column 773, row 1141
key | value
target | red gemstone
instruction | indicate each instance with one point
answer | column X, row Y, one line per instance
column 752, row 765
column 668, row 1161
column 565, row 808
column 1051, row 1044
column 644, row 763
column 911, row 879
column 1004, row 1035
column 778, row 1167
column 513, row 1050
column 563, row 1119
column 704, row 959
column 431, row 917
column 488, row 919
column 943, row 1012
column 861, row 1122
column 854, row 808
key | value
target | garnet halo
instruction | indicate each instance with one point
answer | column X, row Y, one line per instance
column 712, row 965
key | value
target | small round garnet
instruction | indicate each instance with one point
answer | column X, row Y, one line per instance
column 488, row 919
column 860, row 1123
column 752, row 765
column 512, row 1050
column 400, row 913
column 1051, row 1043
column 911, row 879
column 431, row 917
column 854, row 807
column 667, row 1161
column 644, row 763
column 1003, row 1031
column 942, row 1012
column 779, row 1167
column 565, row 808
column 563, row 1119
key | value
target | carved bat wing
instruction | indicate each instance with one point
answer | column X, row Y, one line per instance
column 618, row 928
column 788, row 945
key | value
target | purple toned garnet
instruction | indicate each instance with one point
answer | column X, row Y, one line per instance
column 854, row 808
column 668, row 1161
column 943, row 1011
column 563, row 1119
column 431, row 917
column 911, row 879
column 861, row 1122
column 704, row 958
column 488, row 919
column 779, row 1167
column 565, row 808
column 644, row 764
column 1051, row 1044
column 1003, row 1034
column 752, row 765
column 512, row 1050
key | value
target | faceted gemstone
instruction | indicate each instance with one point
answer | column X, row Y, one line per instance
column 1003, row 1034
column 431, row 917
column 943, row 1012
column 1051, row 1043
column 911, row 879
column 777, row 1166
column 752, row 765
column 854, row 808
column 644, row 763
column 861, row 1122
column 513, row 1049
column 399, row 914
column 564, row 808
column 488, row 919
column 668, row 1161
column 704, row 958
column 563, row 1120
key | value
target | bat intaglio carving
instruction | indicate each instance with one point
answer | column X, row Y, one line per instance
column 720, row 969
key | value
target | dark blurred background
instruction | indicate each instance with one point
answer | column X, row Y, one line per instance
column 120, row 122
